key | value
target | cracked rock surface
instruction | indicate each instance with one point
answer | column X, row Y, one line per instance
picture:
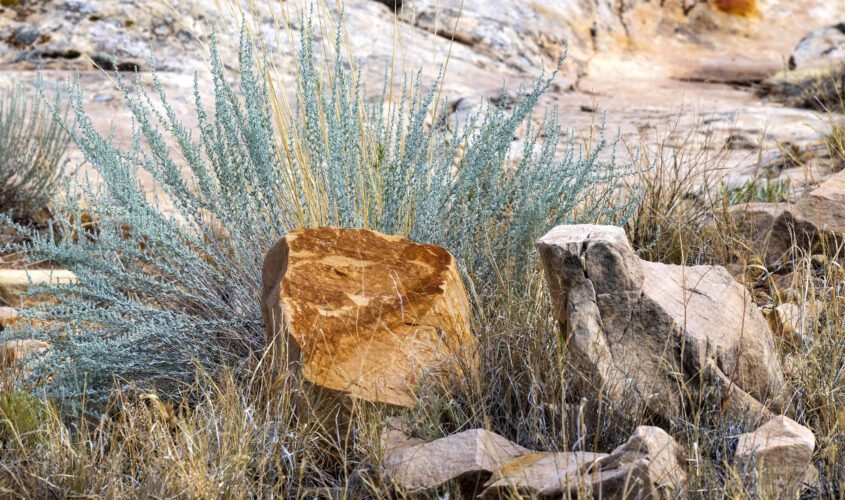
column 656, row 337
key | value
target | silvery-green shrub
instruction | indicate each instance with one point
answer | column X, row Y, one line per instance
column 161, row 290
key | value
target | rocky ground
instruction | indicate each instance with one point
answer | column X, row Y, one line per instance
column 677, row 72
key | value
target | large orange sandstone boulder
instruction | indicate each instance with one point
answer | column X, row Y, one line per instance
column 364, row 314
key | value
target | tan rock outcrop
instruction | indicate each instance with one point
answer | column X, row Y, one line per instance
column 816, row 220
column 655, row 336
column 774, row 459
column 363, row 314
column 415, row 467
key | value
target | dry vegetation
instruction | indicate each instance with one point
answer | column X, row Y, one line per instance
column 224, row 439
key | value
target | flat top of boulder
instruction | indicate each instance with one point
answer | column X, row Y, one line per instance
column 342, row 278
column 578, row 233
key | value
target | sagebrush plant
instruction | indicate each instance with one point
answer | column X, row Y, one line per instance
column 32, row 149
column 172, row 281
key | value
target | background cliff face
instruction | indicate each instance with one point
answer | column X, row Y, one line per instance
column 648, row 63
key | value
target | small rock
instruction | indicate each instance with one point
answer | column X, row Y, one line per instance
column 15, row 283
column 775, row 457
column 415, row 467
column 13, row 351
column 646, row 466
column 541, row 474
column 817, row 218
column 794, row 323
column 22, row 278
column 25, row 36
column 755, row 221
column 819, row 261
column 740, row 142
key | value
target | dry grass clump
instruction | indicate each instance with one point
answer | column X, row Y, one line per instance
column 821, row 90
column 233, row 442
column 32, row 148
column 835, row 142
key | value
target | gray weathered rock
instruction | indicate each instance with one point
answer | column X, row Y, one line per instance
column 774, row 459
column 651, row 335
column 822, row 48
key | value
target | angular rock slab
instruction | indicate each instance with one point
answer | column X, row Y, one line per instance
column 365, row 314
column 818, row 217
column 541, row 474
column 416, row 467
column 654, row 335
column 646, row 466
column 776, row 456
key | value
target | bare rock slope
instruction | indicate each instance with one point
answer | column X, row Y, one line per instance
column 648, row 64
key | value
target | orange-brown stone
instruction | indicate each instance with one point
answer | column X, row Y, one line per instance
column 363, row 313
column 738, row 7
